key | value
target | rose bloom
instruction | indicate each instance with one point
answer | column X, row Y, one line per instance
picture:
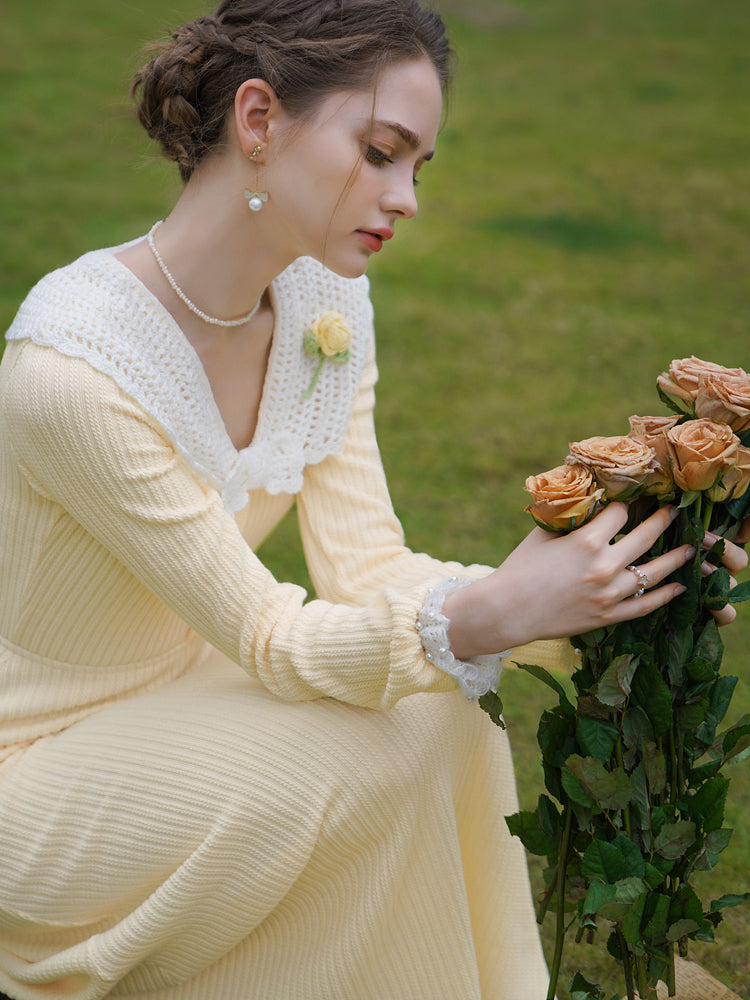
column 564, row 498
column 618, row 463
column 725, row 400
column 652, row 431
column 700, row 452
column 684, row 375
column 331, row 333
column 734, row 483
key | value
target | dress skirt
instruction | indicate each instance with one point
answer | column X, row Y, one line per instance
column 208, row 841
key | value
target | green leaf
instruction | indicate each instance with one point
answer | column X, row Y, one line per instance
column 614, row 684
column 674, row 839
column 740, row 593
column 546, row 677
column 610, row 861
column 715, row 589
column 736, row 739
column 550, row 820
column 492, row 704
column 678, row 647
column 731, row 899
column 556, row 737
column 526, row 826
column 706, row 806
column 721, row 696
column 599, row 894
column 656, row 928
column 596, row 737
column 631, row 925
column 654, row 697
column 689, row 497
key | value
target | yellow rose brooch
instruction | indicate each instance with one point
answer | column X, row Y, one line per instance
column 328, row 339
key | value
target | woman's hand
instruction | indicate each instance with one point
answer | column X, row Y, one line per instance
column 561, row 585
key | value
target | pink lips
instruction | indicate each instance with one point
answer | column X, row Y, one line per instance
column 374, row 238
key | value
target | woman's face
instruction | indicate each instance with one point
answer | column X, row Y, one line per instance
column 343, row 180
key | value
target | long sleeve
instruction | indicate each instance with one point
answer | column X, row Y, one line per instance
column 91, row 452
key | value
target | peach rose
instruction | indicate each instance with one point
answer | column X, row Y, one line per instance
column 331, row 333
column 700, row 452
column 682, row 379
column 620, row 464
column 725, row 400
column 564, row 498
column 734, row 483
column 652, row 432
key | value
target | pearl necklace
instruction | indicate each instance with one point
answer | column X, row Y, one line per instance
column 191, row 305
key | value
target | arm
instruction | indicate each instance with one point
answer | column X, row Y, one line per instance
column 88, row 447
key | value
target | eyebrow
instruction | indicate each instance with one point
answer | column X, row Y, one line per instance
column 410, row 138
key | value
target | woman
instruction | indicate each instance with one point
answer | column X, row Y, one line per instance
column 210, row 786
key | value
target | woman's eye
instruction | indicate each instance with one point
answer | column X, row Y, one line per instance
column 376, row 156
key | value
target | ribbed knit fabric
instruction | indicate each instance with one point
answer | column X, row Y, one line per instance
column 201, row 794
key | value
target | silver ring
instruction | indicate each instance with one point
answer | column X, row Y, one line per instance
column 642, row 581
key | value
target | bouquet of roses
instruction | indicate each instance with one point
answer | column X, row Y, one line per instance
column 633, row 766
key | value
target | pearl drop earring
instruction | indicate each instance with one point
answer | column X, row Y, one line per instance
column 256, row 199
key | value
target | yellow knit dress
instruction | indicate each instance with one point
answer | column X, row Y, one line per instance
column 212, row 787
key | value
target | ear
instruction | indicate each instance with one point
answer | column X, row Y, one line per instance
column 255, row 104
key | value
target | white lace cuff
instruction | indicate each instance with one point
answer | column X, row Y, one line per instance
column 475, row 677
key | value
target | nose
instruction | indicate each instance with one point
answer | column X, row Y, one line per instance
column 400, row 196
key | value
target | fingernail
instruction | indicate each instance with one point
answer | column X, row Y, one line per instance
column 689, row 554
column 674, row 512
column 710, row 539
column 679, row 589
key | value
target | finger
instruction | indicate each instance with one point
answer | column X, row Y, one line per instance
column 643, row 536
column 743, row 535
column 608, row 521
column 734, row 558
column 638, row 607
column 725, row 615
column 656, row 570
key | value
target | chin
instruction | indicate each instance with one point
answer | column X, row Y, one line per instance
column 351, row 268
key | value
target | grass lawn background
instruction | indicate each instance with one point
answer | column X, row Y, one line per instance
column 587, row 219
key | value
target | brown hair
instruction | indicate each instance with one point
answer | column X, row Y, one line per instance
column 304, row 49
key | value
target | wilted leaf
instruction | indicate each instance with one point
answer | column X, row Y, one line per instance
column 674, row 839
column 681, row 928
column 609, row 789
column 492, row 704
column 614, row 684
column 581, row 989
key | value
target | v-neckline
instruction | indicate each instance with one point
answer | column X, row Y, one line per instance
column 190, row 353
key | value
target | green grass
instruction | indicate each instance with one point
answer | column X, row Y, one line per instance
column 587, row 219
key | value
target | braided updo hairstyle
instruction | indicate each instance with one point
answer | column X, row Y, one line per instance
column 304, row 49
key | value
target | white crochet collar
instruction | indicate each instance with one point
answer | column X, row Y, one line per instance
column 96, row 309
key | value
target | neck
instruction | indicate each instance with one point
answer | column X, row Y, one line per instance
column 222, row 255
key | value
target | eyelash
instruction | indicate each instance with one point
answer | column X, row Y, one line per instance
column 378, row 158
